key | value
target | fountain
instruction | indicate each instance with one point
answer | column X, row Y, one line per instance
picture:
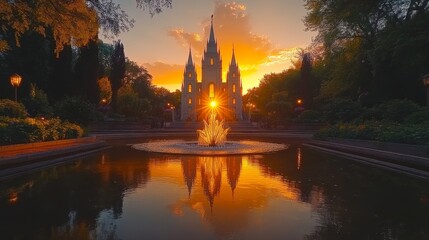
column 211, row 141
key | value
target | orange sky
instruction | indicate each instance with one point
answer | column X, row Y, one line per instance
column 265, row 35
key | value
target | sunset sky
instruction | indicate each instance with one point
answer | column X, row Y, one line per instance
column 265, row 35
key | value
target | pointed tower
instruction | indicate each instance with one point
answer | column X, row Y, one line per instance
column 211, row 74
column 189, row 86
column 235, row 89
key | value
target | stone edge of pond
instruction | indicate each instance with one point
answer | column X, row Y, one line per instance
column 27, row 160
column 410, row 164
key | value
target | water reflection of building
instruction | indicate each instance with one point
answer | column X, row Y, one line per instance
column 189, row 168
column 233, row 169
column 211, row 176
column 211, row 169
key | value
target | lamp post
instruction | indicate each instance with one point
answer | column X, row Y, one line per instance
column 15, row 80
column 426, row 83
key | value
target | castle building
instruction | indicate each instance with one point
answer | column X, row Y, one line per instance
column 196, row 95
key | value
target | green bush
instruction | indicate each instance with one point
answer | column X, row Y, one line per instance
column 340, row 110
column 15, row 131
column 37, row 104
column 130, row 105
column 72, row 131
column 75, row 110
column 418, row 117
column 379, row 131
column 398, row 110
column 310, row 116
column 9, row 108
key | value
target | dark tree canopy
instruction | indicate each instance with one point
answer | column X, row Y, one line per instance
column 71, row 22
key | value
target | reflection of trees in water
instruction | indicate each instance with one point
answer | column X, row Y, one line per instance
column 69, row 198
column 354, row 201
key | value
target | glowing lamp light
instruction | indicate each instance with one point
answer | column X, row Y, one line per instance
column 299, row 101
column 15, row 80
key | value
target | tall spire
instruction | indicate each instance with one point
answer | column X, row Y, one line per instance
column 190, row 63
column 233, row 62
column 212, row 38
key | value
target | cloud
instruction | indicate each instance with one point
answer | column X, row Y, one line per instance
column 232, row 28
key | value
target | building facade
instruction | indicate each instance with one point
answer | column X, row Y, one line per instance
column 196, row 95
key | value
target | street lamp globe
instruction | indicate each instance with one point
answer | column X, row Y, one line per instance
column 15, row 80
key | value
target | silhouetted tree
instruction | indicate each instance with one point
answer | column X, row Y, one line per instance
column 61, row 80
column 86, row 72
column 306, row 90
column 117, row 72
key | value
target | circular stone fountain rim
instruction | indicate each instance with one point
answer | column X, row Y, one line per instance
column 181, row 147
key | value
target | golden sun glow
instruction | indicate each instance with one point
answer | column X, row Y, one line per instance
column 213, row 104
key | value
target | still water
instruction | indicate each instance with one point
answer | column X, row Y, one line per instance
column 122, row 193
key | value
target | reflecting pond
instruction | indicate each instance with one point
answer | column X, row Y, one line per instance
column 298, row 193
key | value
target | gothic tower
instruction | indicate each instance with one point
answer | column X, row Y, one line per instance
column 211, row 82
column 197, row 95
column 189, row 87
column 235, row 89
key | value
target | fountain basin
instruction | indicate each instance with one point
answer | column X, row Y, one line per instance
column 192, row 147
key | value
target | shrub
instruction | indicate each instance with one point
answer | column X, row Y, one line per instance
column 398, row 110
column 129, row 103
column 310, row 116
column 37, row 104
column 340, row 110
column 75, row 110
column 15, row 131
column 379, row 131
column 19, row 131
column 9, row 108
column 72, row 131
column 418, row 117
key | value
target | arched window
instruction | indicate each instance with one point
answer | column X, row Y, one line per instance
column 233, row 88
column 189, row 88
column 233, row 75
column 233, row 101
column 189, row 101
column 211, row 90
column 199, row 101
column 211, row 61
column 190, row 75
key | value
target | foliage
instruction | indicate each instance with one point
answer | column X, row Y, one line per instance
column 130, row 104
column 340, row 110
column 398, row 110
column 380, row 46
column 417, row 117
column 29, row 130
column 139, row 78
column 37, row 104
column 86, row 71
column 70, row 22
column 9, row 108
column 105, row 89
column 378, row 131
column 76, row 110
column 117, row 72
column 105, row 51
column 310, row 116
